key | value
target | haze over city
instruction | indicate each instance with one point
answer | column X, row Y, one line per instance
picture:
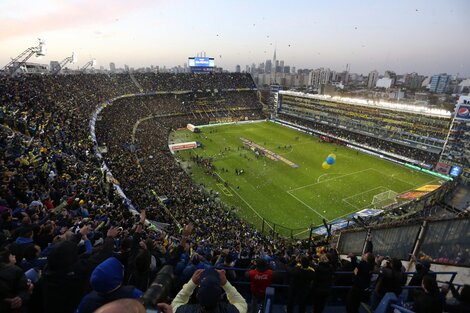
column 427, row 37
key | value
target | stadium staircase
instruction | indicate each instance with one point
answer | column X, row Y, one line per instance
column 136, row 83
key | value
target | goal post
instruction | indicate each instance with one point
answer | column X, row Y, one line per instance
column 384, row 198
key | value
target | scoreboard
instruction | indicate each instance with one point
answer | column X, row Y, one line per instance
column 201, row 64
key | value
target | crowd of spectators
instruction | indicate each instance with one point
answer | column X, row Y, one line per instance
column 194, row 81
column 68, row 242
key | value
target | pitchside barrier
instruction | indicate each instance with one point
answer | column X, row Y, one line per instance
column 442, row 242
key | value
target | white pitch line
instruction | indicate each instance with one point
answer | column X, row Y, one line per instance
column 244, row 201
column 360, row 193
column 330, row 179
column 353, row 205
column 249, row 206
column 394, row 177
column 307, row 205
column 303, row 231
column 318, row 179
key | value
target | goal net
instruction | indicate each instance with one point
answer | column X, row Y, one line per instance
column 384, row 198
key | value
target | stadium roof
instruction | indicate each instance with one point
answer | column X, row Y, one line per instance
column 375, row 104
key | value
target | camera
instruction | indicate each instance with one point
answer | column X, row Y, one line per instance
column 159, row 289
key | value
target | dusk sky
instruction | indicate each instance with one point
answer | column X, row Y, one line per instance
column 426, row 36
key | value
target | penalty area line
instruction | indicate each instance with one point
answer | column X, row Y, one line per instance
column 307, row 206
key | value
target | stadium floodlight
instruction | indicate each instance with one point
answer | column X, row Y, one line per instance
column 64, row 62
column 41, row 48
column 92, row 63
column 74, row 58
column 19, row 61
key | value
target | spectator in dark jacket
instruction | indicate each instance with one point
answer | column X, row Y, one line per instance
column 141, row 277
column 322, row 283
column 66, row 277
column 14, row 289
column 422, row 269
column 106, row 281
column 430, row 301
column 391, row 279
column 22, row 243
column 461, row 301
column 301, row 277
column 361, row 281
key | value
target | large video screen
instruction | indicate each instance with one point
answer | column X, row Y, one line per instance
column 201, row 62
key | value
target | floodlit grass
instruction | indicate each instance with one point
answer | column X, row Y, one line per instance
column 287, row 196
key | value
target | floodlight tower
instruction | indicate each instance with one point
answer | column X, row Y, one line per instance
column 16, row 63
column 91, row 63
column 64, row 62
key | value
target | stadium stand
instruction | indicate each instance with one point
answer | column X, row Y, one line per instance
column 69, row 242
column 417, row 135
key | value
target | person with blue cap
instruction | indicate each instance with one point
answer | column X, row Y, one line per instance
column 106, row 281
column 212, row 284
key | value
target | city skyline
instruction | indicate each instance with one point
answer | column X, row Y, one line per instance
column 427, row 37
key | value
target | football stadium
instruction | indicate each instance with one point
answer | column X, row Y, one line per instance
column 200, row 189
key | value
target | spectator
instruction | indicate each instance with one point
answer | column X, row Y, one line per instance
column 361, row 281
column 391, row 279
column 22, row 243
column 123, row 306
column 14, row 288
column 300, row 285
column 260, row 278
column 430, row 301
column 422, row 269
column 322, row 283
column 106, row 281
column 66, row 279
column 212, row 283
column 460, row 303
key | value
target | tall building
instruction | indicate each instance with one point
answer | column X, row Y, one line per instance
column 392, row 75
column 345, row 77
column 413, row 80
column 253, row 68
column 112, row 67
column 372, row 79
column 319, row 77
column 439, row 83
column 238, row 68
column 275, row 62
column 268, row 66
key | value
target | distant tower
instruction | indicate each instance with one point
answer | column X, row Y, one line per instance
column 274, row 59
column 273, row 71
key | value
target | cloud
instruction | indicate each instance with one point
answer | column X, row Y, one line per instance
column 67, row 15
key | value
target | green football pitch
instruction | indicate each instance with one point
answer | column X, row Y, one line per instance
column 290, row 197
